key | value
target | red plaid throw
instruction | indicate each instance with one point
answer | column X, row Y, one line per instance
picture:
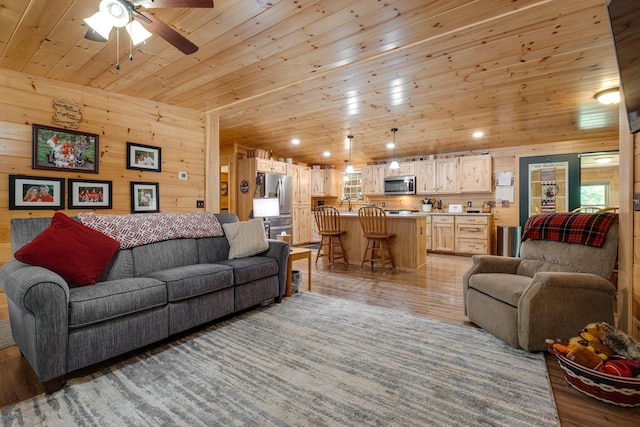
column 581, row 228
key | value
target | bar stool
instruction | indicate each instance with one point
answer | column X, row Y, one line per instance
column 374, row 228
column 328, row 222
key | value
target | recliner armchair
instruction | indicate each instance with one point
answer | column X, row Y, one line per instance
column 552, row 291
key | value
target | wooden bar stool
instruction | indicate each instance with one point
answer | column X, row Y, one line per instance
column 328, row 221
column 374, row 228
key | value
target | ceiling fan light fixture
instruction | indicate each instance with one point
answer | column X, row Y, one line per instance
column 116, row 12
column 100, row 25
column 137, row 32
column 608, row 96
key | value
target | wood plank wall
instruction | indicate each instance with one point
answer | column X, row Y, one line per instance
column 179, row 132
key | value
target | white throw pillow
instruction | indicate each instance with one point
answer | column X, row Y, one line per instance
column 245, row 238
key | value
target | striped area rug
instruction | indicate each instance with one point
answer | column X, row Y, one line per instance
column 6, row 340
column 311, row 361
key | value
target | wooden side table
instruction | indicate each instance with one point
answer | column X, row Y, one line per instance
column 294, row 255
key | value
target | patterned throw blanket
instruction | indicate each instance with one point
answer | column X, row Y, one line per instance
column 142, row 229
column 581, row 228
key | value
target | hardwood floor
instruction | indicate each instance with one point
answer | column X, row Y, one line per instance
column 434, row 292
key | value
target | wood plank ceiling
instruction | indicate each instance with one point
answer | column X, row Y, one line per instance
column 521, row 71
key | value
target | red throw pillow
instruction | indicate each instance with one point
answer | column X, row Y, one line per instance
column 74, row 251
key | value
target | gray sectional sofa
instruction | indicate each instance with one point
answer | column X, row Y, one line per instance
column 145, row 294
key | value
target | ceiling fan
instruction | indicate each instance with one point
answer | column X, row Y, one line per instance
column 139, row 24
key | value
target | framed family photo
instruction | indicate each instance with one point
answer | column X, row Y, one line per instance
column 144, row 157
column 35, row 192
column 63, row 149
column 91, row 194
column 145, row 197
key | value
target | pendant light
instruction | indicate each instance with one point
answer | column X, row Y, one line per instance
column 349, row 168
column 395, row 165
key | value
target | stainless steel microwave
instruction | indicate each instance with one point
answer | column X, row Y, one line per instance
column 400, row 184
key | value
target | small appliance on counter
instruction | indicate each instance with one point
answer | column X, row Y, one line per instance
column 455, row 208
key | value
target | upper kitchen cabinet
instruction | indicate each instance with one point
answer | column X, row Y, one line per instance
column 271, row 166
column 301, row 184
column 373, row 179
column 475, row 174
column 406, row 168
column 326, row 183
column 438, row 176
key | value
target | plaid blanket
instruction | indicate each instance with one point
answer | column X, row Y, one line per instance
column 581, row 228
column 142, row 229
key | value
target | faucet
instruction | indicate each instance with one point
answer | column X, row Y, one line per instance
column 348, row 200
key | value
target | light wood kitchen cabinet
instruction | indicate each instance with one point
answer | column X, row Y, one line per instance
column 426, row 177
column 443, row 233
column 473, row 234
column 475, row 174
column 438, row 176
column 373, row 179
column 428, row 232
column 406, row 168
column 301, row 224
column 271, row 166
column 301, row 185
column 326, row 183
column 447, row 175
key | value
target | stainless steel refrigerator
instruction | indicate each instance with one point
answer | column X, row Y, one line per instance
column 280, row 186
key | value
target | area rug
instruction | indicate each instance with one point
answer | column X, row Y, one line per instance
column 311, row 361
column 6, row 340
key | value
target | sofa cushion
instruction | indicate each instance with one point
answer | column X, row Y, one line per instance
column 110, row 300
column 77, row 253
column 164, row 255
column 251, row 268
column 212, row 249
column 194, row 280
column 245, row 238
column 503, row 287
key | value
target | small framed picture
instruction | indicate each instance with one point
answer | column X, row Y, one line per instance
column 35, row 192
column 89, row 194
column 144, row 157
column 145, row 197
column 63, row 149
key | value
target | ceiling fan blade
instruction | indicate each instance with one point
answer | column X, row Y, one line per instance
column 93, row 35
column 148, row 4
column 154, row 25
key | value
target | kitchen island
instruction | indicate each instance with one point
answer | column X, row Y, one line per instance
column 419, row 232
column 408, row 246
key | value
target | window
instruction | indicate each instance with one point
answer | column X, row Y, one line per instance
column 352, row 185
column 594, row 194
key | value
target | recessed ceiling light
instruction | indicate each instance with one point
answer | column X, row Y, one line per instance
column 326, row 154
column 478, row 134
column 295, row 141
column 390, row 145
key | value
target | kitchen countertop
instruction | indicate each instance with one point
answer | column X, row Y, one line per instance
column 419, row 214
